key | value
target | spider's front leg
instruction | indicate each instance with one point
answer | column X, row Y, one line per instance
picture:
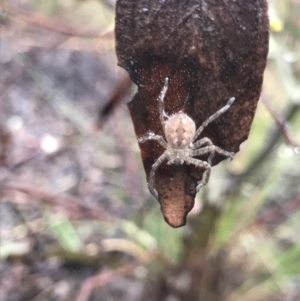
column 214, row 117
column 201, row 164
column 152, row 136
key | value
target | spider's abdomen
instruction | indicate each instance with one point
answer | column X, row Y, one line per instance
column 180, row 130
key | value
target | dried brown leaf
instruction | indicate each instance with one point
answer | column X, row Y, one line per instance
column 210, row 50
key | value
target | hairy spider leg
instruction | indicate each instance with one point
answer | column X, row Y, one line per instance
column 206, row 174
column 214, row 117
column 162, row 95
column 197, row 146
column 201, row 142
column 201, row 164
column 157, row 138
column 211, row 149
column 158, row 162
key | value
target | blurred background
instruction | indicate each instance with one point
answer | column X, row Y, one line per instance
column 77, row 220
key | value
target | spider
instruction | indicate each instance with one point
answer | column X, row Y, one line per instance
column 180, row 144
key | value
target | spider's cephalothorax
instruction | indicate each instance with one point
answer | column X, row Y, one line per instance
column 181, row 142
column 180, row 130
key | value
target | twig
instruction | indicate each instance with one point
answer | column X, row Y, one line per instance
column 62, row 39
column 43, row 22
column 279, row 215
column 29, row 63
column 5, row 140
column 105, row 278
column 70, row 203
column 119, row 91
column 281, row 122
column 274, row 136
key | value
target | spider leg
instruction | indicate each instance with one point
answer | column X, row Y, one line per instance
column 201, row 164
column 211, row 149
column 201, row 142
column 213, row 117
column 162, row 95
column 152, row 136
column 158, row 162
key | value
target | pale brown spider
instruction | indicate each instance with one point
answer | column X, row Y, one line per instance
column 180, row 144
